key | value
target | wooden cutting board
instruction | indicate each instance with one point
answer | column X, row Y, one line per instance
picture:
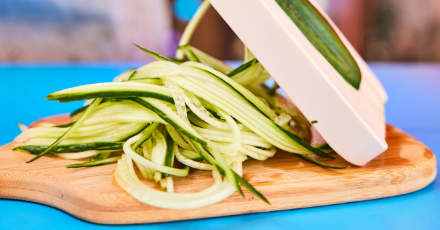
column 287, row 181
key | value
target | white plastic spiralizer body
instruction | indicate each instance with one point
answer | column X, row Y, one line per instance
column 351, row 121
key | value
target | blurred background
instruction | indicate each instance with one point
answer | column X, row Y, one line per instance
column 103, row 30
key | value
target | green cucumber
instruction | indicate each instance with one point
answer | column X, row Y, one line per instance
column 213, row 89
column 191, row 27
column 73, row 148
column 197, row 55
column 193, row 155
column 166, row 110
column 94, row 163
column 156, row 70
column 105, row 124
column 65, row 125
column 78, row 111
column 102, row 155
column 110, row 134
column 237, row 87
column 90, row 109
column 171, row 151
column 132, row 74
column 250, row 73
column 170, row 154
column 167, row 114
column 322, row 164
column 251, row 188
column 156, row 55
column 323, row 37
column 248, row 55
column 146, row 134
column 243, row 67
column 112, row 90
column 189, row 53
column 125, row 75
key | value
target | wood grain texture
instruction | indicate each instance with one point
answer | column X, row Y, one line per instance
column 288, row 182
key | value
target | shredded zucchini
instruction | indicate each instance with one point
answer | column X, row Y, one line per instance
column 196, row 111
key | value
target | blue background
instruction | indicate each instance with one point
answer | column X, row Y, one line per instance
column 414, row 106
column 185, row 9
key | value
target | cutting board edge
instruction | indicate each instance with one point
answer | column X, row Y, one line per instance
column 133, row 217
column 101, row 217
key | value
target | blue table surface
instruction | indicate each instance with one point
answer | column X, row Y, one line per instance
column 414, row 106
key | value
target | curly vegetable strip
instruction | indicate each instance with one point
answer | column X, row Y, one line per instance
column 198, row 112
column 127, row 178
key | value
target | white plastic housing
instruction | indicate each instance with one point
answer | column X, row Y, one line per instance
column 351, row 121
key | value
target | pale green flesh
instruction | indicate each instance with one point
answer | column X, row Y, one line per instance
column 201, row 113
